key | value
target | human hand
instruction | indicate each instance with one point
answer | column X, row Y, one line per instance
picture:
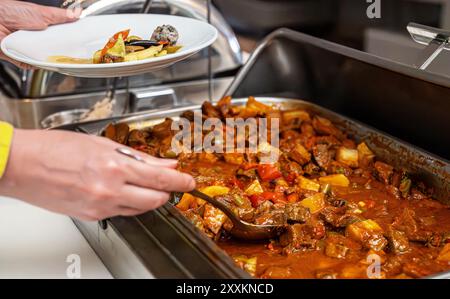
column 19, row 15
column 84, row 177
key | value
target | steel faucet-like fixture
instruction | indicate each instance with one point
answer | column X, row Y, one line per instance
column 435, row 39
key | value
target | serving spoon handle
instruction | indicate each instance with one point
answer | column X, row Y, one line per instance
column 241, row 229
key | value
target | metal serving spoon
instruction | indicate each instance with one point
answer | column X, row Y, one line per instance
column 241, row 229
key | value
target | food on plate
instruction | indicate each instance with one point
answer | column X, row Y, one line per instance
column 123, row 47
column 344, row 209
column 165, row 34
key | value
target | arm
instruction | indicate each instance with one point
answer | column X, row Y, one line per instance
column 84, row 177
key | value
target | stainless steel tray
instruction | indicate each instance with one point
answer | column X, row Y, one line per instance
column 185, row 252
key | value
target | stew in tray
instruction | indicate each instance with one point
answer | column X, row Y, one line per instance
column 347, row 214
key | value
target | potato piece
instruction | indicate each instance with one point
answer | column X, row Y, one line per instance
column 300, row 155
column 172, row 49
column 144, row 54
column 335, row 180
column 162, row 53
column 314, row 203
column 369, row 233
column 347, row 156
column 254, row 188
column 214, row 218
column 212, row 191
column 307, row 184
column 185, row 202
column 365, row 155
column 444, row 255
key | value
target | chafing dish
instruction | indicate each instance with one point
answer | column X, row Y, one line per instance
column 350, row 83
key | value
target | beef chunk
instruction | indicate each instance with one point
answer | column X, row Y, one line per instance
column 299, row 154
column 137, row 137
column 322, row 155
column 189, row 115
column 225, row 107
column 311, row 169
column 195, row 219
column 384, row 171
column 337, row 217
column 162, row 130
column 209, row 110
column 297, row 213
column 299, row 236
column 393, row 266
column 325, row 127
column 274, row 217
column 407, row 223
column 339, row 168
column 122, row 131
column 394, row 191
column 398, row 241
column 264, row 207
column 417, row 270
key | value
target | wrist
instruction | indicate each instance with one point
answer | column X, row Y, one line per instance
column 6, row 137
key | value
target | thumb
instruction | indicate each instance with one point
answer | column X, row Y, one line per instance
column 56, row 15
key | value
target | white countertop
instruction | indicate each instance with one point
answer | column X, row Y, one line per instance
column 35, row 243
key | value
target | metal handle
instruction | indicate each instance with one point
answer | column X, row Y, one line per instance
column 435, row 39
column 144, row 100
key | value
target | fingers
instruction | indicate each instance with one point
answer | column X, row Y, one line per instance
column 54, row 15
column 137, row 200
column 170, row 163
column 158, row 177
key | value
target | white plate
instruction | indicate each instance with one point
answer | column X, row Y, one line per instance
column 82, row 38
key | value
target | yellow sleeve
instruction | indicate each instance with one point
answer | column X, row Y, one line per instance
column 6, row 134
